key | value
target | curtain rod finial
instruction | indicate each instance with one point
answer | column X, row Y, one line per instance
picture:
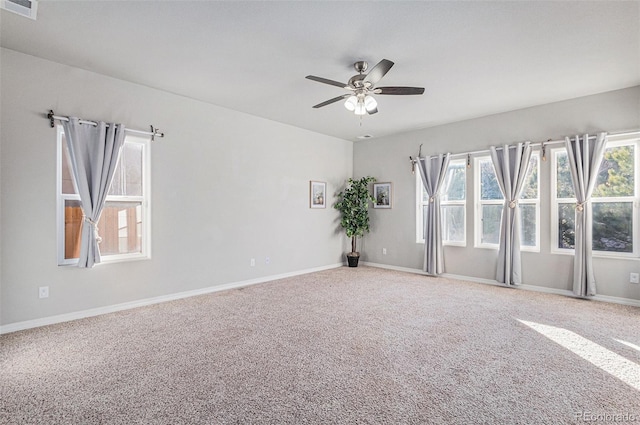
column 50, row 116
column 155, row 132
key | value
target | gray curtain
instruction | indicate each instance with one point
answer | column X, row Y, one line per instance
column 584, row 156
column 93, row 153
column 433, row 171
column 511, row 165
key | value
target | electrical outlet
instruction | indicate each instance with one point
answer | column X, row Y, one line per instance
column 267, row 260
column 634, row 277
column 253, row 262
column 384, row 251
column 43, row 292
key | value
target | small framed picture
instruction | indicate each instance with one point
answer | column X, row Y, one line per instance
column 382, row 195
column 317, row 194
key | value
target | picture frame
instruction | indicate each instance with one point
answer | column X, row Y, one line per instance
column 317, row 194
column 382, row 193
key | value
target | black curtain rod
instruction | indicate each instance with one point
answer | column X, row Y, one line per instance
column 153, row 133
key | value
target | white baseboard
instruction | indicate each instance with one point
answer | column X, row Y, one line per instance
column 28, row 324
column 396, row 268
column 563, row 292
column 617, row 300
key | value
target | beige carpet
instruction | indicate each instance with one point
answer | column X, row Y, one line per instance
column 344, row 346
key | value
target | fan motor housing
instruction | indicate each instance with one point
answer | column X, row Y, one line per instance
column 361, row 66
column 357, row 82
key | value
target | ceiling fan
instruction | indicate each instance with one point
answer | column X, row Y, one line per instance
column 362, row 87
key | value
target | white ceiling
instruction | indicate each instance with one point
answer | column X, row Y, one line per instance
column 473, row 58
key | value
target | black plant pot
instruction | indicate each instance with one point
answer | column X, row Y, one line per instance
column 353, row 260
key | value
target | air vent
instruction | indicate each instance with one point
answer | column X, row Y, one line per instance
column 26, row 8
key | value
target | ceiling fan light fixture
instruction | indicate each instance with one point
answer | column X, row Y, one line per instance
column 351, row 103
column 360, row 108
column 370, row 103
column 362, row 87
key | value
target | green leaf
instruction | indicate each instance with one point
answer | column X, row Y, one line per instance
column 353, row 203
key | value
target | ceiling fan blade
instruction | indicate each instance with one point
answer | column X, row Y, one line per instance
column 399, row 90
column 378, row 71
column 326, row 81
column 330, row 101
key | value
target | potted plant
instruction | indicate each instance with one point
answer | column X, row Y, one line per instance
column 353, row 203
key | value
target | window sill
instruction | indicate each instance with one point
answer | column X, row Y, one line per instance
column 571, row 252
column 532, row 250
column 459, row 244
column 111, row 259
column 497, row 247
column 491, row 247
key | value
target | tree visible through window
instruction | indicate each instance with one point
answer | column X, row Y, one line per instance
column 613, row 200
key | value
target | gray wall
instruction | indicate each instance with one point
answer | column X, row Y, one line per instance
column 226, row 187
column 387, row 159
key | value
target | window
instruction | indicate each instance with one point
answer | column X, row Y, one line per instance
column 614, row 201
column 490, row 203
column 452, row 204
column 124, row 224
column 529, row 205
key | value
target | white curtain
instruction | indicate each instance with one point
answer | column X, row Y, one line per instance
column 433, row 171
column 511, row 165
column 94, row 153
column 584, row 156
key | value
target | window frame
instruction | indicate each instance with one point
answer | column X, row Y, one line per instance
column 536, row 203
column 612, row 141
column 479, row 203
column 478, row 218
column 144, row 200
column 420, row 203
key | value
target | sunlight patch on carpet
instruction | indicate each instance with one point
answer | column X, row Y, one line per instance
column 612, row 363
column 628, row 344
